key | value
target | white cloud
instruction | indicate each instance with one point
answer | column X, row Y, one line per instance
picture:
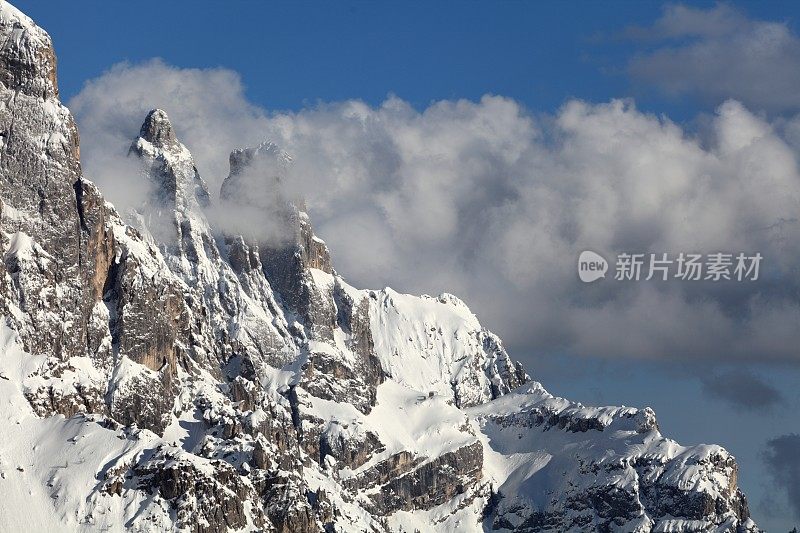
column 485, row 200
column 719, row 53
column 207, row 107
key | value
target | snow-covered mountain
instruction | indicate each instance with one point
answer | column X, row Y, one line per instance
column 158, row 373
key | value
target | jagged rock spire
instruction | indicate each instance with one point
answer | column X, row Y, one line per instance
column 157, row 129
column 170, row 164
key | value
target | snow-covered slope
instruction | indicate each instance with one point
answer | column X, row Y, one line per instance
column 437, row 344
column 561, row 466
column 160, row 373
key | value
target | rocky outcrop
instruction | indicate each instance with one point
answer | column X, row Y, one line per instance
column 350, row 446
column 288, row 265
column 205, row 500
column 433, row 483
column 403, row 481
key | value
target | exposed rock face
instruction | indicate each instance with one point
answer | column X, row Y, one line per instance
column 40, row 168
column 157, row 130
column 205, row 500
column 28, row 62
column 433, row 483
column 234, row 381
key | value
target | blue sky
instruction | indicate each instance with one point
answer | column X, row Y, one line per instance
column 294, row 56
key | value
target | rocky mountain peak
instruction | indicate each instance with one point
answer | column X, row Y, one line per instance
column 27, row 59
column 169, row 164
column 157, row 129
column 242, row 158
column 256, row 174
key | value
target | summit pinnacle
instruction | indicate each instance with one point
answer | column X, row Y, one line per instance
column 157, row 129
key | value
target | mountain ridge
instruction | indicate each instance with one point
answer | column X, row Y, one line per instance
column 163, row 374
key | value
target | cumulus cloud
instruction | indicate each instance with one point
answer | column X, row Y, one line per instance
column 742, row 389
column 494, row 203
column 782, row 458
column 719, row 53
